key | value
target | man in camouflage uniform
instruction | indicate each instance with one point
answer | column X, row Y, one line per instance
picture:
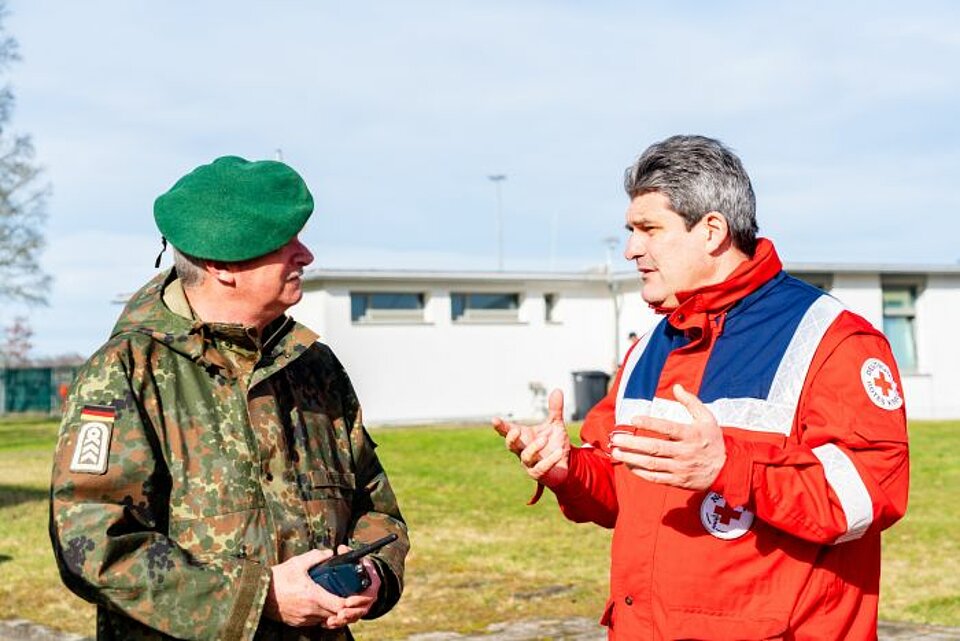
column 212, row 450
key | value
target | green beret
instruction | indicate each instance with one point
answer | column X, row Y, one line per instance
column 234, row 209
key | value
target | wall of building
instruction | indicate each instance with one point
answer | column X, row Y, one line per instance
column 860, row 293
column 931, row 391
column 439, row 369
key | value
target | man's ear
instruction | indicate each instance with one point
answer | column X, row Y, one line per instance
column 220, row 271
column 716, row 230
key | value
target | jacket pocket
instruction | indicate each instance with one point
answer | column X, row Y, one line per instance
column 328, row 501
column 235, row 534
column 689, row 625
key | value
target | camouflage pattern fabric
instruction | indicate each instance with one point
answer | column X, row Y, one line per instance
column 225, row 453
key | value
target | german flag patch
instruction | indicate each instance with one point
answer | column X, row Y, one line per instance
column 92, row 450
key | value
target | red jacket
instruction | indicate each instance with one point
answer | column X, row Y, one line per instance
column 786, row 543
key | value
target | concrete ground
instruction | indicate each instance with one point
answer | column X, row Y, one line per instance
column 588, row 630
column 577, row 629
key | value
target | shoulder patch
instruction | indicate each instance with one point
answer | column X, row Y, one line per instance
column 92, row 449
column 878, row 382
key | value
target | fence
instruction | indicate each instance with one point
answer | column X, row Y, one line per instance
column 34, row 389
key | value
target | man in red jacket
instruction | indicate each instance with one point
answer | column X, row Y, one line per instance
column 753, row 444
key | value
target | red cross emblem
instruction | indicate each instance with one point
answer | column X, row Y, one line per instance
column 722, row 520
column 882, row 382
column 879, row 384
column 727, row 513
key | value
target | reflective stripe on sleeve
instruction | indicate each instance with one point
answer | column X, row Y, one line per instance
column 843, row 478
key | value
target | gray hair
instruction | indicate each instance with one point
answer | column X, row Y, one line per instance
column 698, row 175
column 190, row 270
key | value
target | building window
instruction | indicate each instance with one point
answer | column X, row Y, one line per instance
column 389, row 307
column 484, row 307
column 550, row 303
column 899, row 316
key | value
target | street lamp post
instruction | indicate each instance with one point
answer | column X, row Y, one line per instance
column 614, row 287
column 497, row 179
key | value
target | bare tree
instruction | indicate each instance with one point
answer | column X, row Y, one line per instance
column 22, row 199
column 17, row 343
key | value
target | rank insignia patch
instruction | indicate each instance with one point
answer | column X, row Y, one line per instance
column 92, row 450
column 878, row 382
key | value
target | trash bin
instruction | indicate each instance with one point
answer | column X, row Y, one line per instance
column 589, row 387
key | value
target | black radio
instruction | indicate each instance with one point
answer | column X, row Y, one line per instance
column 343, row 574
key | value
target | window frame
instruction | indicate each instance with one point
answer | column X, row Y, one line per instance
column 914, row 287
column 484, row 314
column 374, row 315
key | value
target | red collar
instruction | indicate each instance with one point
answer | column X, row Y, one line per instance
column 713, row 299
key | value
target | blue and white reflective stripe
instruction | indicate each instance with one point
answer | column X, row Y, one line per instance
column 751, row 414
column 774, row 414
column 845, row 481
column 754, row 414
column 792, row 371
column 631, row 363
column 627, row 408
column 658, row 408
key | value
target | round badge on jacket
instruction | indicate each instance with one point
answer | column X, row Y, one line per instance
column 878, row 382
column 723, row 521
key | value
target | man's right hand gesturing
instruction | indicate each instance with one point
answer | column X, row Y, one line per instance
column 544, row 449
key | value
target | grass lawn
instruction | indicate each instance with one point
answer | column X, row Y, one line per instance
column 479, row 554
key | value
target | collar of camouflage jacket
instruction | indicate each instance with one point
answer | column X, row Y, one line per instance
column 147, row 313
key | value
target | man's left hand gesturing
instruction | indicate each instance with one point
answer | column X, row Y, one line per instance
column 690, row 456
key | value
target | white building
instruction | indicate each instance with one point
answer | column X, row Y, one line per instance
column 424, row 346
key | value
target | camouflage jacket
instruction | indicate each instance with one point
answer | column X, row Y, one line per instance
column 192, row 457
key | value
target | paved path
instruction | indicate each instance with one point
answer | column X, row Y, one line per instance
column 588, row 630
column 578, row 629
column 19, row 630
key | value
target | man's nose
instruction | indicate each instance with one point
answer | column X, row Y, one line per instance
column 303, row 255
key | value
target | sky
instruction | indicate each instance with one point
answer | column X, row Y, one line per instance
column 396, row 113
